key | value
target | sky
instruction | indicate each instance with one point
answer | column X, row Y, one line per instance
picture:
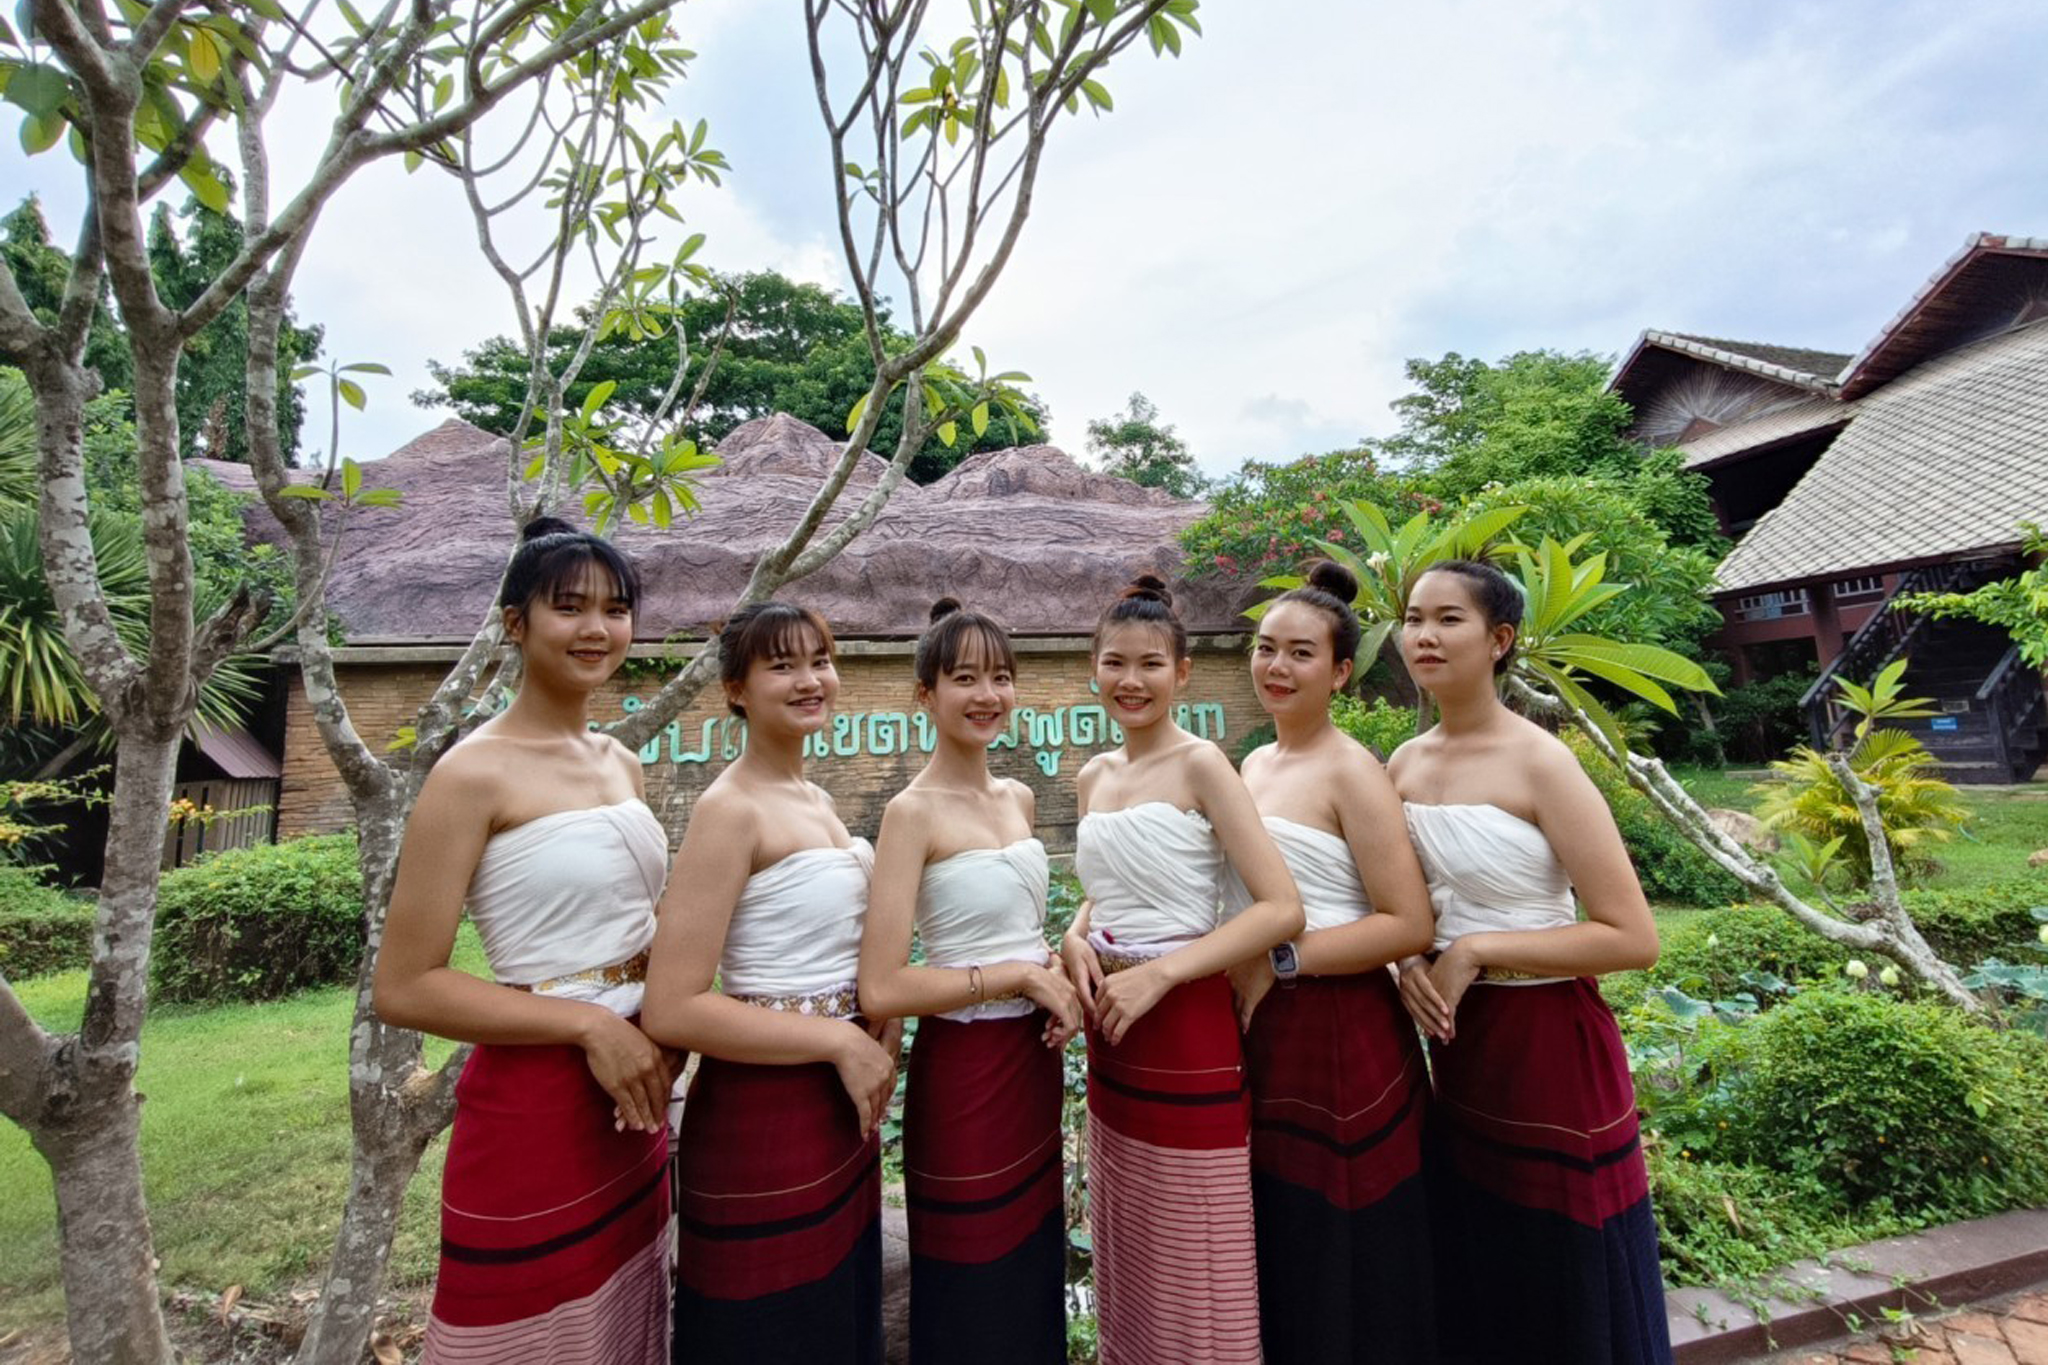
column 1265, row 229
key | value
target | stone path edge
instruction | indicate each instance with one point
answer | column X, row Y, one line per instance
column 1946, row 1267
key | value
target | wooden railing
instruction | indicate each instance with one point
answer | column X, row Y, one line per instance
column 1888, row 633
column 2010, row 697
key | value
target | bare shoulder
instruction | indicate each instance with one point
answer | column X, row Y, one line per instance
column 1024, row 796
column 823, row 797
column 1205, row 758
column 1257, row 759
column 1548, row 760
column 474, row 770
column 1353, row 764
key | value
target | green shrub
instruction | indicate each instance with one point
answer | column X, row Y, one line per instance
column 1379, row 725
column 1994, row 920
column 1671, row 869
column 1708, row 954
column 1874, row 1097
column 1720, row 1221
column 42, row 930
column 258, row 923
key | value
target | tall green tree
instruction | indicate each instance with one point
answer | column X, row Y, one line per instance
column 781, row 346
column 213, row 399
column 186, row 251
column 1134, row 444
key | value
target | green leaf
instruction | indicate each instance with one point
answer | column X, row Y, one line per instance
column 979, row 417
column 40, row 134
column 352, row 393
column 1652, row 660
column 206, row 187
column 366, row 367
column 202, row 58
column 37, row 88
column 381, row 497
column 351, row 479
column 949, row 432
column 1103, row 10
column 596, row 398
column 1098, row 95
column 307, row 491
column 860, row 405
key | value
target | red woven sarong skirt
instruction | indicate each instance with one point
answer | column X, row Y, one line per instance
column 554, row 1226
column 1547, row 1246
column 1169, row 1186
column 779, row 1200
column 982, row 1177
column 1339, row 1096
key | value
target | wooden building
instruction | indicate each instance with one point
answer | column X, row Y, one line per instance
column 1847, row 481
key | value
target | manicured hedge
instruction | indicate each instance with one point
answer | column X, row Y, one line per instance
column 42, row 930
column 258, row 923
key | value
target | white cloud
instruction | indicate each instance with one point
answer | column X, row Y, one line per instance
column 1265, row 228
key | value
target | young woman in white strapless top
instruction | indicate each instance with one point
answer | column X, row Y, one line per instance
column 777, row 1162
column 554, row 1200
column 982, row 1152
column 1339, row 1085
column 1547, row 1245
column 1169, row 1175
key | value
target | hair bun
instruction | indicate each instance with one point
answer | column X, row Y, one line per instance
column 1333, row 578
column 545, row 526
column 1149, row 586
column 942, row 608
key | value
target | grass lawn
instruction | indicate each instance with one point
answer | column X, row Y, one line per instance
column 245, row 1142
column 2005, row 824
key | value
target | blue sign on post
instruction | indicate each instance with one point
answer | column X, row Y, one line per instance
column 1943, row 723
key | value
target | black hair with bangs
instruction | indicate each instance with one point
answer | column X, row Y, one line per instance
column 1330, row 589
column 957, row 635
column 766, row 630
column 551, row 559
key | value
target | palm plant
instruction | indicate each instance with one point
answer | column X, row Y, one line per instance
column 40, row 681
column 1914, row 807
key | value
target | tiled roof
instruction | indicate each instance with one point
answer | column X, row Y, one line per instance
column 1719, row 353
column 1799, row 359
column 1946, row 460
column 1780, row 424
column 1949, row 307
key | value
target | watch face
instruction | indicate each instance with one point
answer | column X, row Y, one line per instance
column 1285, row 963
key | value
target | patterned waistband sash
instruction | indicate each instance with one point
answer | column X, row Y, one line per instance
column 629, row 972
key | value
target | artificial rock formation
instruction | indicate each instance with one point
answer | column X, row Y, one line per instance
column 1026, row 534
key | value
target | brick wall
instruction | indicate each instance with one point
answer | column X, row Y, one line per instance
column 870, row 754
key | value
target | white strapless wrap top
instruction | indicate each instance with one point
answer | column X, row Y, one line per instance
column 985, row 905
column 568, row 892
column 1152, row 872
column 1488, row 871
column 796, row 929
column 1324, row 872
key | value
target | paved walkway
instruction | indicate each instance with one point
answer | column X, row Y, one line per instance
column 2008, row 1331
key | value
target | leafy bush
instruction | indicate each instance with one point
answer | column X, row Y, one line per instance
column 1971, row 924
column 1379, row 725
column 1719, row 1221
column 258, row 923
column 1761, row 720
column 42, row 930
column 1874, row 1097
column 1710, row 954
column 1671, row 869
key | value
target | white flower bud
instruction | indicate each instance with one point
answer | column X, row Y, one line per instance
column 1713, row 940
column 1889, row 976
column 1854, row 969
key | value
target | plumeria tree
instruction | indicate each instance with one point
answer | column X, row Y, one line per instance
column 1560, row 670
column 935, row 145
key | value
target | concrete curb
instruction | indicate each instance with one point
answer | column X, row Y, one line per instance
column 1942, row 1267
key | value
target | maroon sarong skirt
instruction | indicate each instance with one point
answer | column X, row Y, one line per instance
column 1169, row 1186
column 1547, row 1243
column 779, row 1203
column 554, row 1225
column 982, row 1166
column 1339, row 1096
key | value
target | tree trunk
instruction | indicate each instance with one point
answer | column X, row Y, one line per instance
column 396, row 1106
column 90, row 1126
